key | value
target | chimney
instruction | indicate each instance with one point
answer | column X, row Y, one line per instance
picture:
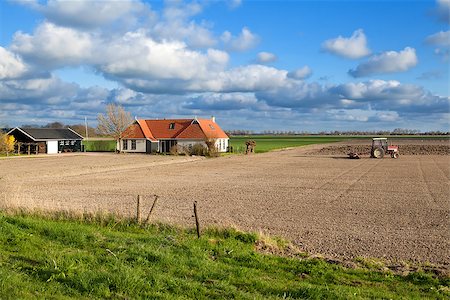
column 213, row 119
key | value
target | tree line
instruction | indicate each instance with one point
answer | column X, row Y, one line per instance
column 396, row 131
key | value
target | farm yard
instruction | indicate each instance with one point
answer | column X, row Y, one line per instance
column 395, row 210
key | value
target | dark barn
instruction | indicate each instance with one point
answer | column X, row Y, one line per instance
column 46, row 140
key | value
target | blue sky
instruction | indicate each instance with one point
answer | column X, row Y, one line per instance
column 259, row 65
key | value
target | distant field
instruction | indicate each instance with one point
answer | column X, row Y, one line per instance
column 265, row 143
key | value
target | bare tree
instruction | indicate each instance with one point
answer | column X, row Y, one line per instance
column 114, row 123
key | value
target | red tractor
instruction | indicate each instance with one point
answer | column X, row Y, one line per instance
column 380, row 147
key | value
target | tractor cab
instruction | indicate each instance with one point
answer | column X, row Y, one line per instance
column 380, row 147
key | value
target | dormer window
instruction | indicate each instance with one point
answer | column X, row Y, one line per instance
column 172, row 126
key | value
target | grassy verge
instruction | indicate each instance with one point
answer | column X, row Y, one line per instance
column 48, row 258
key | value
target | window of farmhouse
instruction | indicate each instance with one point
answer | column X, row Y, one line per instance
column 125, row 144
column 133, row 144
column 172, row 126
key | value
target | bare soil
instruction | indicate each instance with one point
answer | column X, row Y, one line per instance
column 406, row 147
column 396, row 210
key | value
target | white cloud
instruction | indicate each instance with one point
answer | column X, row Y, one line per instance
column 176, row 25
column 136, row 56
column 441, row 38
column 91, row 14
column 245, row 41
column 53, row 46
column 241, row 79
column 301, row 73
column 266, row 57
column 387, row 62
column 11, row 65
column 353, row 47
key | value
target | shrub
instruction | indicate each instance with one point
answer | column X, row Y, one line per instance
column 198, row 149
column 7, row 143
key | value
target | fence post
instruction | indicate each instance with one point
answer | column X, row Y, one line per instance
column 138, row 209
column 197, row 223
column 151, row 209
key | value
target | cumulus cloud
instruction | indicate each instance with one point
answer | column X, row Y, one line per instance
column 54, row 46
column 266, row 57
column 176, row 25
column 11, row 65
column 302, row 73
column 387, row 62
column 245, row 41
column 90, row 14
column 241, row 79
column 136, row 56
column 353, row 47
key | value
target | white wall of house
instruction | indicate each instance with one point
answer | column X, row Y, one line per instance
column 221, row 145
column 140, row 145
column 52, row 147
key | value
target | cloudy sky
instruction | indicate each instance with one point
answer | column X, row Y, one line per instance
column 258, row 65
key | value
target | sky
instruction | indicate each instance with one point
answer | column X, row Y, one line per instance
column 255, row 65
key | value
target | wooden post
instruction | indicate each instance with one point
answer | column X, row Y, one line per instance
column 151, row 209
column 197, row 223
column 138, row 209
column 29, row 149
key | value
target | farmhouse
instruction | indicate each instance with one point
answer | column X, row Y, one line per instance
column 46, row 140
column 149, row 136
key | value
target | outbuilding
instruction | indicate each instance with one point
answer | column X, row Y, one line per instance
column 46, row 140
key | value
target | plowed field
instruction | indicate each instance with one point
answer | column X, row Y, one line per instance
column 327, row 204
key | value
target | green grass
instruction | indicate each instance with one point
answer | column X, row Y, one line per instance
column 100, row 145
column 265, row 143
column 57, row 259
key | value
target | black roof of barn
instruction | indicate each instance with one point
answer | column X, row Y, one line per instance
column 44, row 134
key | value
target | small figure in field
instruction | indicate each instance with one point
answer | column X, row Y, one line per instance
column 251, row 144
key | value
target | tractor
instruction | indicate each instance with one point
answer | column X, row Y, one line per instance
column 380, row 147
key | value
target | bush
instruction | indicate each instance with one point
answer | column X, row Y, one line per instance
column 198, row 149
column 7, row 143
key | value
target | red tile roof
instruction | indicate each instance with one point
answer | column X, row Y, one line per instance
column 176, row 129
column 133, row 131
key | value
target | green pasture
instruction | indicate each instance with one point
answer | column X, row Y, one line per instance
column 265, row 143
column 102, row 258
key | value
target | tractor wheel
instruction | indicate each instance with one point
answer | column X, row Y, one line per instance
column 378, row 153
column 395, row 155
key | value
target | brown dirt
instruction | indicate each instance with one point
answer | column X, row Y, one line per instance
column 389, row 209
column 406, row 147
